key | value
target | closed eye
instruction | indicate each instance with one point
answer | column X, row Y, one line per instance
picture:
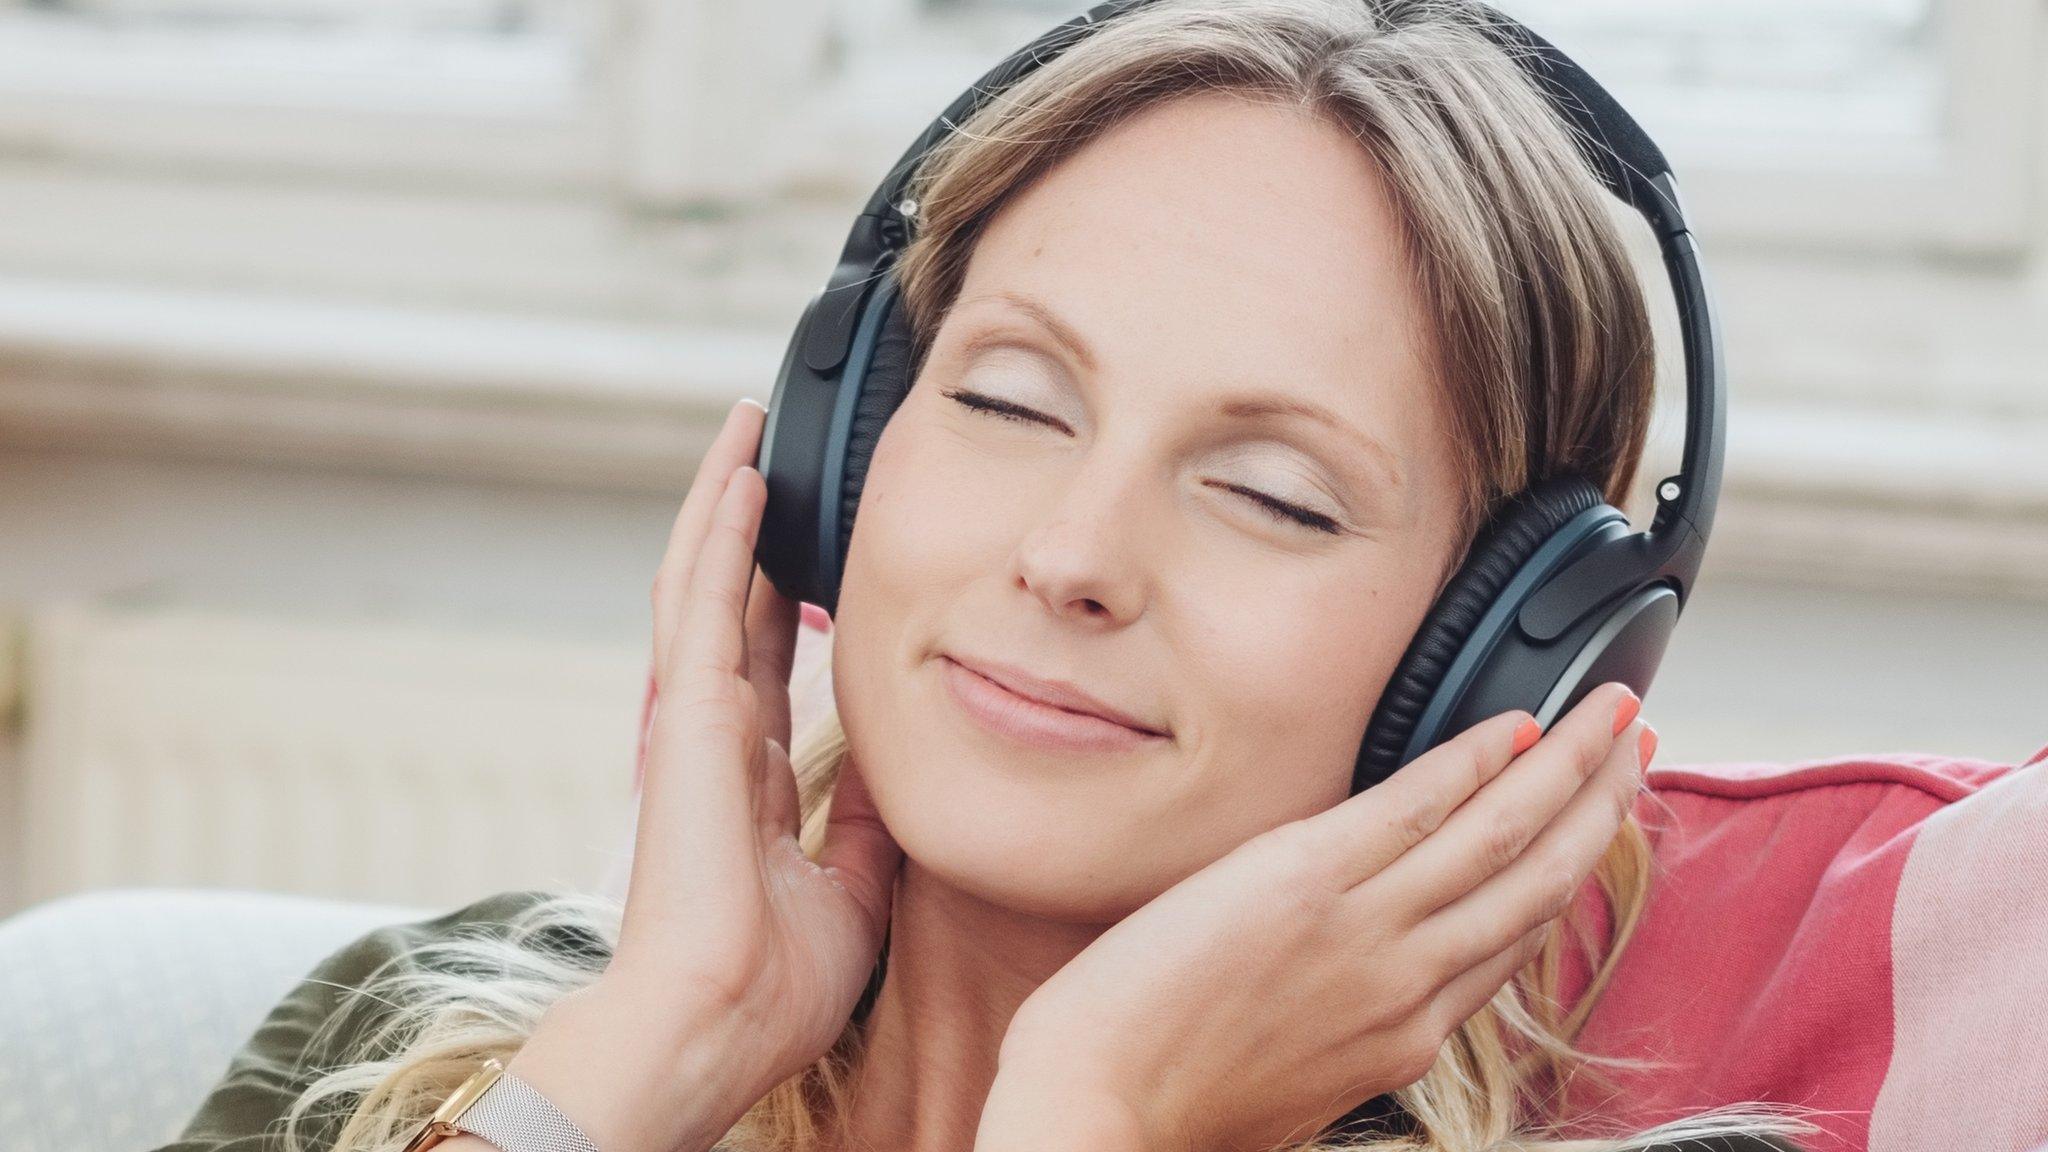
column 1002, row 408
column 1279, row 509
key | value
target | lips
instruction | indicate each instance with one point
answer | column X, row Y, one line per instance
column 1056, row 693
column 1027, row 722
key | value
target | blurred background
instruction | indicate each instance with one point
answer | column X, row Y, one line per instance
column 356, row 354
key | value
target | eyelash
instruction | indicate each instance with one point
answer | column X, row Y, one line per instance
column 1279, row 509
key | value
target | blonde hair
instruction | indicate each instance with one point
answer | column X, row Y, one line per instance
column 1543, row 347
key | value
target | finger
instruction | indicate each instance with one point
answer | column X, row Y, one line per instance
column 771, row 653
column 736, row 444
column 1489, row 831
column 859, row 850
column 1369, row 831
column 695, row 828
column 1474, row 988
column 711, row 638
column 700, row 783
column 1542, row 882
column 777, row 805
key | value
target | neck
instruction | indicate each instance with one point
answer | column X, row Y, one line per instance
column 958, row 969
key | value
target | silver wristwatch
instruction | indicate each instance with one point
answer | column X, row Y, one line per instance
column 505, row 1110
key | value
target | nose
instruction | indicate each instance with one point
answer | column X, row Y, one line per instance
column 1087, row 556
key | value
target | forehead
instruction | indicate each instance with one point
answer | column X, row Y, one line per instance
column 1212, row 244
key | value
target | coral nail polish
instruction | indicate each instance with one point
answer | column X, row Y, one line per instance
column 1526, row 736
column 1626, row 711
column 1646, row 746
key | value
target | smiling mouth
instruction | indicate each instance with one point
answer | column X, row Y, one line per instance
column 1022, row 720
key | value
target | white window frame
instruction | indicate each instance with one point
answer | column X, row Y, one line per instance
column 101, row 96
column 664, row 111
column 556, row 202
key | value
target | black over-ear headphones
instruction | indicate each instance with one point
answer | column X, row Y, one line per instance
column 1556, row 595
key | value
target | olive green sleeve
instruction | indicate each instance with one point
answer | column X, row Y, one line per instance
column 244, row 1111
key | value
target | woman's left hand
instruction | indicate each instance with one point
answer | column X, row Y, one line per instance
column 1324, row 962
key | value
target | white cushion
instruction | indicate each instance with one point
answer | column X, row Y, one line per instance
column 120, row 1008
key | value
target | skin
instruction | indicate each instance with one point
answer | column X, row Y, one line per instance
column 1206, row 247
column 1197, row 942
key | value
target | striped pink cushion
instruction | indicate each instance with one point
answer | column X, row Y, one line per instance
column 1866, row 935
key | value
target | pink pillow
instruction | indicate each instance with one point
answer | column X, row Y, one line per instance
column 1862, row 934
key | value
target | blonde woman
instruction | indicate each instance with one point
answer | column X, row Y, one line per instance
column 1165, row 925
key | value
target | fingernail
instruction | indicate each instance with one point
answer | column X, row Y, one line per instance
column 1625, row 712
column 1646, row 746
column 1526, row 736
column 815, row 616
column 754, row 402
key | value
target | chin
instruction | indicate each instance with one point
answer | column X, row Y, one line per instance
column 1075, row 838
column 1036, row 844
column 1036, row 876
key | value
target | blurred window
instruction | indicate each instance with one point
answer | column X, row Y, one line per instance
column 1769, row 78
column 506, row 56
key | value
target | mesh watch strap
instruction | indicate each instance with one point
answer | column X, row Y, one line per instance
column 513, row 1115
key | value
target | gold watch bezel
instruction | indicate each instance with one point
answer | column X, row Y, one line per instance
column 441, row 1125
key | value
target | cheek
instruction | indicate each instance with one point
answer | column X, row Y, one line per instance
column 925, row 511
column 913, row 556
column 1289, row 699
column 1290, row 675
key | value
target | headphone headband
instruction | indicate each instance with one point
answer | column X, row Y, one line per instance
column 1616, row 147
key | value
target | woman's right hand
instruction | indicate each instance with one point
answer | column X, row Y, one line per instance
column 739, row 959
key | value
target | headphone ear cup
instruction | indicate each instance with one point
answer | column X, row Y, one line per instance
column 1507, row 541
column 880, row 392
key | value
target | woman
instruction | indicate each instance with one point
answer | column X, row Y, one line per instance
column 1133, row 276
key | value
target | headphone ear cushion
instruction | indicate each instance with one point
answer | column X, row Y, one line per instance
column 1507, row 541
column 882, row 390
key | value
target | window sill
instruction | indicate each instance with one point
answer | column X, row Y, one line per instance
column 550, row 399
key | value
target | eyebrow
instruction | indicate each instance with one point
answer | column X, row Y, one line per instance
column 1061, row 331
column 1252, row 406
column 1242, row 406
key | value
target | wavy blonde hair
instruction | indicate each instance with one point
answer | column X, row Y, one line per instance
column 1543, row 346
